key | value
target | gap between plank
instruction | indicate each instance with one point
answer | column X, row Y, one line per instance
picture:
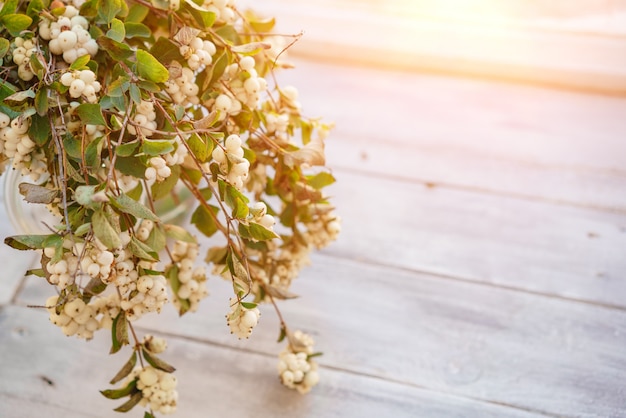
column 476, row 281
column 476, row 189
column 352, row 372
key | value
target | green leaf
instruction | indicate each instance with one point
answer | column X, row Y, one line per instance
column 105, row 230
column 83, row 195
column 20, row 96
column 4, row 47
column 150, row 68
column 166, row 51
column 237, row 201
column 171, row 273
column 133, row 207
column 127, row 149
column 157, row 147
column 90, row 114
column 80, row 63
column 320, row 180
column 156, row 240
column 201, row 147
column 117, row 50
column 156, row 362
column 39, row 130
column 178, row 233
column 120, row 393
column 137, row 13
column 204, row 220
column 204, row 17
column 41, row 101
column 282, row 335
column 35, row 7
column 163, row 188
column 35, row 272
column 126, row 369
column 248, row 305
column 131, row 166
column 148, row 415
column 10, row 6
column 261, row 233
column 117, row 31
column 26, row 242
column 37, row 194
column 16, row 23
column 119, row 332
column 142, row 250
column 135, row 93
column 108, row 9
column 216, row 255
column 131, row 403
column 259, row 24
column 94, row 287
column 137, row 30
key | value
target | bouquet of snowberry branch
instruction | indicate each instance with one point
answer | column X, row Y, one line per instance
column 112, row 110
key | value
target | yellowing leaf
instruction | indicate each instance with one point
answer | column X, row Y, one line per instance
column 150, row 68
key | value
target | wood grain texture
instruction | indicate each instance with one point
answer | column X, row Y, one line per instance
column 499, row 346
column 506, row 51
column 213, row 382
column 531, row 142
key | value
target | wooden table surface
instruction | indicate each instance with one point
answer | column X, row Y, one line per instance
column 481, row 271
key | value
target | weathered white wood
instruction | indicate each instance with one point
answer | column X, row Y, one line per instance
column 535, row 246
column 359, row 36
column 555, row 145
column 529, row 351
column 213, row 381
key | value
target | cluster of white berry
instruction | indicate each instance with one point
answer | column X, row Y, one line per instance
column 193, row 279
column 223, row 9
column 76, row 318
column 226, row 105
column 244, row 83
column 277, row 125
column 82, row 83
column 241, row 320
column 179, row 154
column 15, row 142
column 68, row 35
column 323, row 229
column 24, row 48
column 295, row 367
column 125, row 182
column 157, row 170
column 144, row 118
column 231, row 161
column 158, row 389
column 183, row 89
column 198, row 53
column 150, row 296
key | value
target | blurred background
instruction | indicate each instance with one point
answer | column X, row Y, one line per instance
column 480, row 153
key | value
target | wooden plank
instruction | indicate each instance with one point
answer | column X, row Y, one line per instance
column 531, row 142
column 532, row 352
column 539, row 247
column 345, row 34
column 213, row 381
